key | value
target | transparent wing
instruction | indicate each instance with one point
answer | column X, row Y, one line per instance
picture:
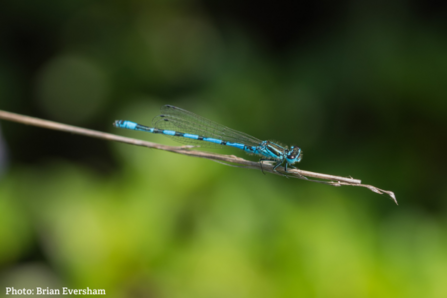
column 173, row 118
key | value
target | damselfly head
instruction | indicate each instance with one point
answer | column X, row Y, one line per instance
column 294, row 154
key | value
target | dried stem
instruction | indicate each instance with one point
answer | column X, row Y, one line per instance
column 186, row 150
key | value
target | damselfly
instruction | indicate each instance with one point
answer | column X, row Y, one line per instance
column 189, row 128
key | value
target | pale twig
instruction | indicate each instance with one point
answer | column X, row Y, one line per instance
column 185, row 150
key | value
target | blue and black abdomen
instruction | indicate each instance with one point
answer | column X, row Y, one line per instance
column 135, row 126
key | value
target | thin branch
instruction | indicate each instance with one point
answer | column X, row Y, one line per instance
column 186, row 150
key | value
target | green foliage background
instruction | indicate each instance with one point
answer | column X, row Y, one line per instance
column 363, row 93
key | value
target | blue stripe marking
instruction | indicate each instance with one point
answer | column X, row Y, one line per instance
column 211, row 140
column 236, row 145
column 128, row 125
column 169, row 132
column 189, row 136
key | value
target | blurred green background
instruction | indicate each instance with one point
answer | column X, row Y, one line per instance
column 360, row 86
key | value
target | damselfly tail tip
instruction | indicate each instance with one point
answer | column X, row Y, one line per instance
column 117, row 123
